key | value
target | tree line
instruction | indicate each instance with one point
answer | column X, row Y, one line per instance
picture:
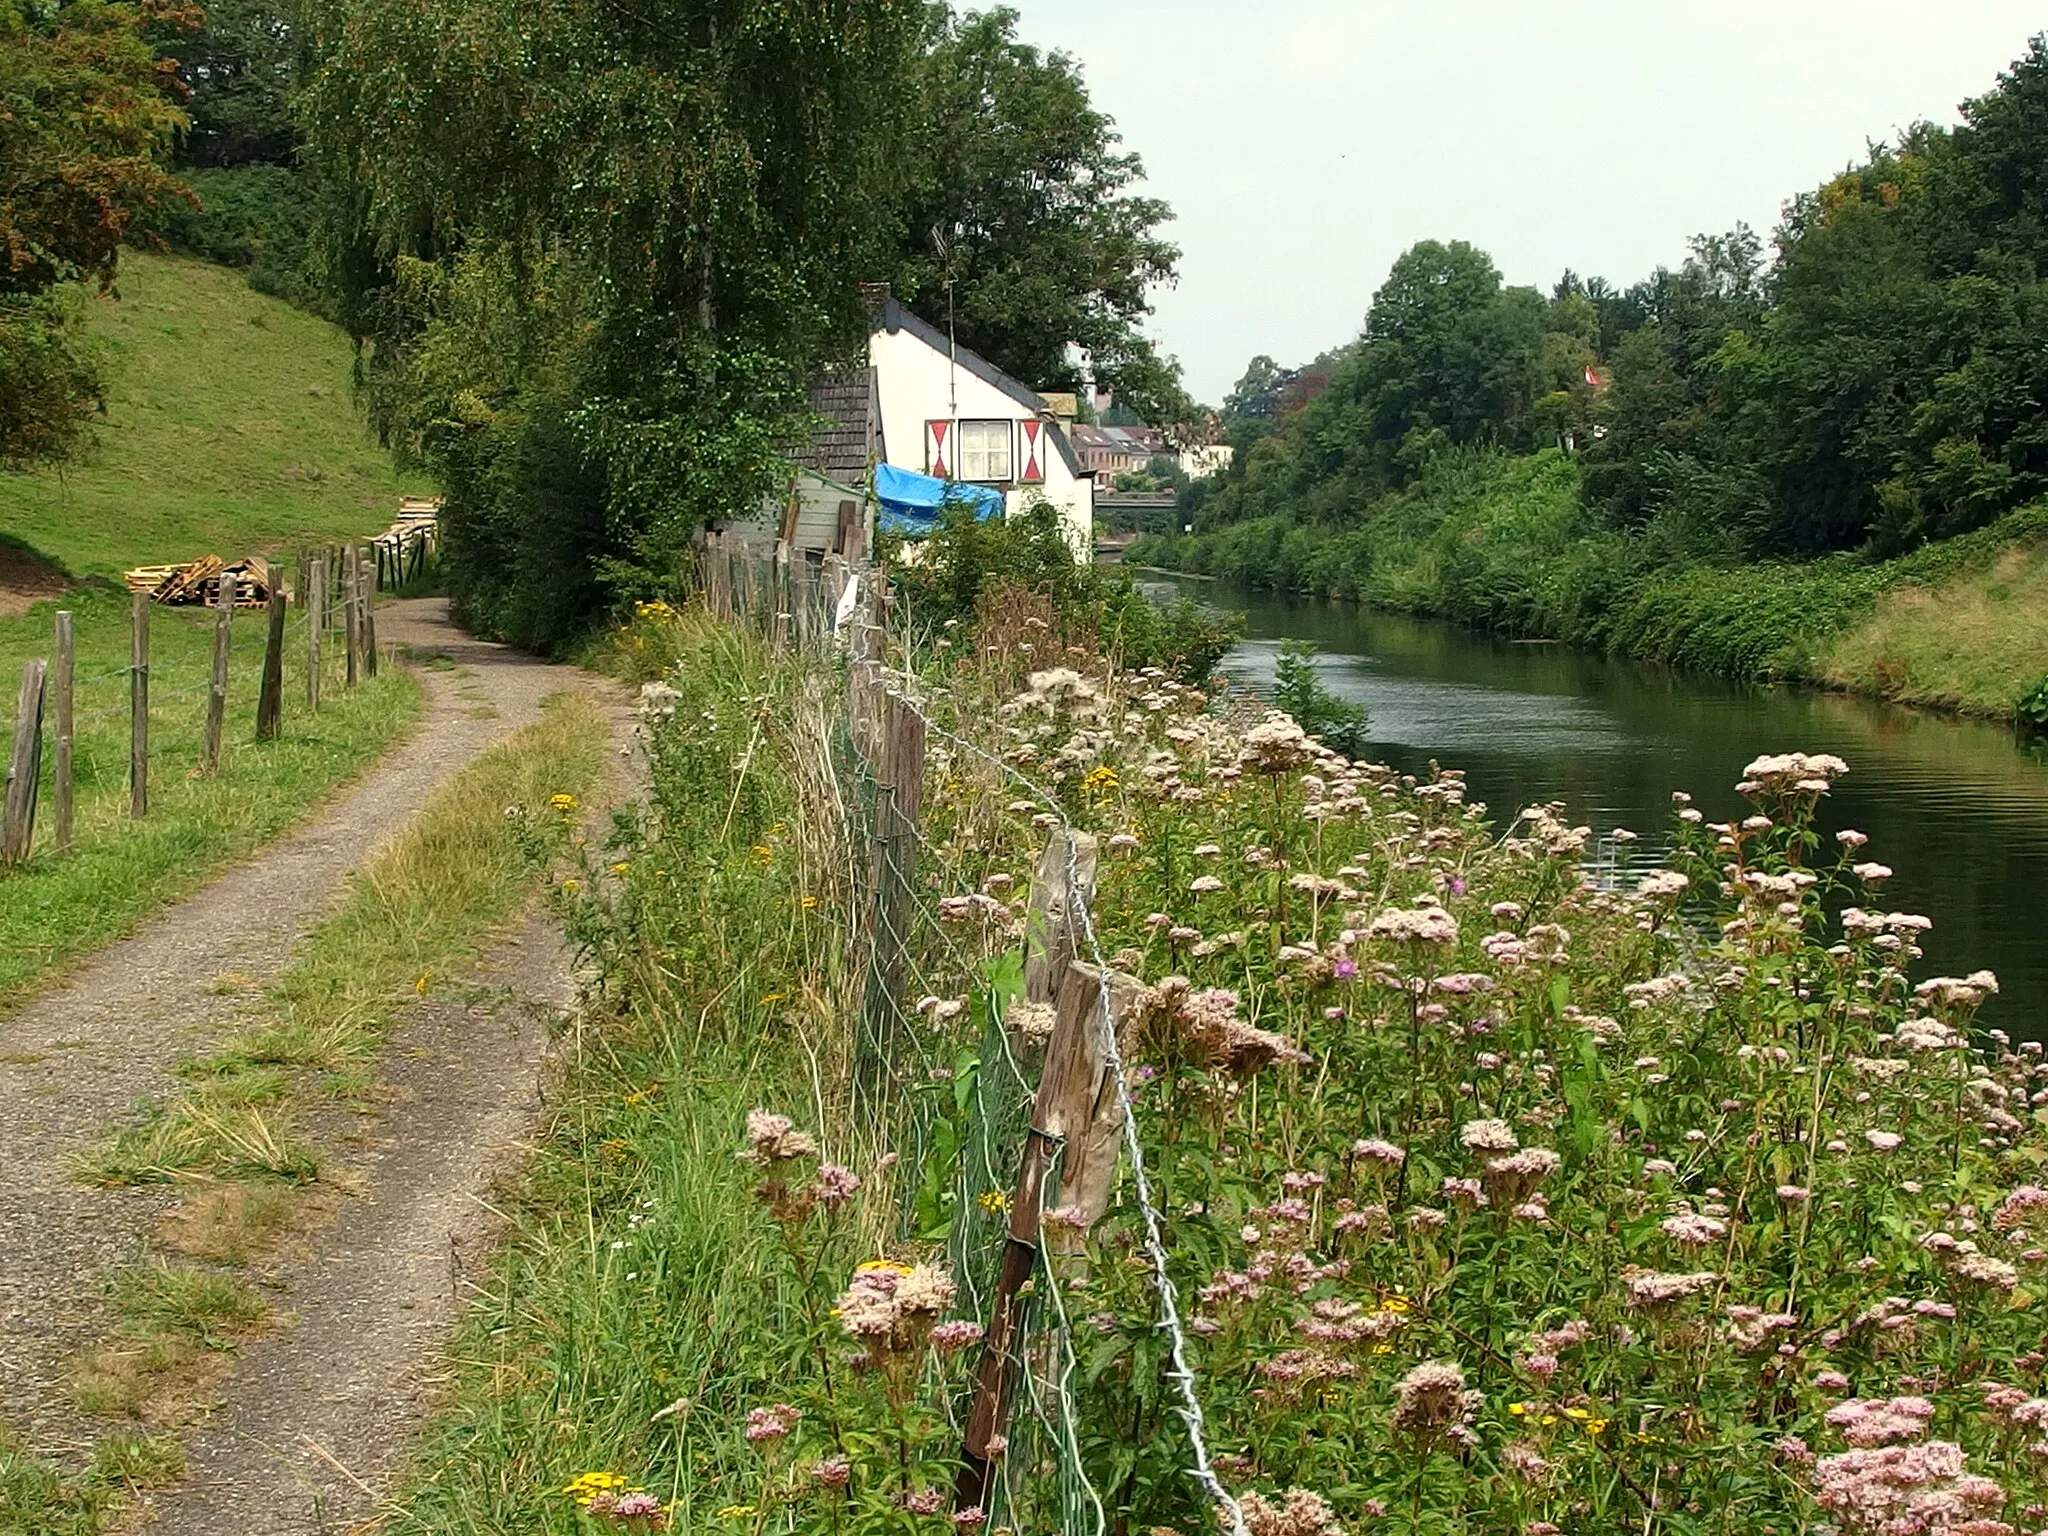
column 1878, row 382
column 591, row 252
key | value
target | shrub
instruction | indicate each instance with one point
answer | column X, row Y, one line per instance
column 946, row 580
column 1299, row 689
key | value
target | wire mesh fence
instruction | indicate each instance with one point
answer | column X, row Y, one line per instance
column 1014, row 1139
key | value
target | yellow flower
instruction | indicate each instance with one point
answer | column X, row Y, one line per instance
column 1397, row 1304
column 763, row 854
column 810, row 903
column 738, row 1512
column 1594, row 1426
column 994, row 1201
column 621, row 867
column 780, row 829
column 426, row 979
column 1577, row 1413
column 591, row 1484
column 1518, row 1409
column 1383, row 1349
column 874, row 1266
column 562, row 802
column 572, row 886
column 1101, row 780
column 773, row 997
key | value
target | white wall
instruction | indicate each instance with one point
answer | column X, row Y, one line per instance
column 918, row 383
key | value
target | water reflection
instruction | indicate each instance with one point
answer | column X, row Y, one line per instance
column 1956, row 808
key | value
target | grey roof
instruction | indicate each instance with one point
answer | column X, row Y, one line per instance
column 846, row 427
column 894, row 317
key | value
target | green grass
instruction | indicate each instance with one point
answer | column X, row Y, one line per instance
column 230, row 428
column 38, row 1499
column 59, row 907
column 626, row 1326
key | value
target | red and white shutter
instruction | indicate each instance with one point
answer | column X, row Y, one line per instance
column 1034, row 453
column 938, row 449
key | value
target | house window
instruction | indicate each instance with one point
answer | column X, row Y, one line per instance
column 984, row 451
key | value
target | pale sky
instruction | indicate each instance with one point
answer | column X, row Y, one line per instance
column 1304, row 144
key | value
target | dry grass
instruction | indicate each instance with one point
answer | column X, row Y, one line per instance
column 229, row 1225
column 1973, row 643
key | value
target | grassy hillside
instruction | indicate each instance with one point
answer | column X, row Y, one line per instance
column 230, row 428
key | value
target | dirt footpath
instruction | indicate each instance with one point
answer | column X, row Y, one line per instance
column 317, row 1411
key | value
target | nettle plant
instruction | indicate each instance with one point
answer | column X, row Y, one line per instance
column 1502, row 1201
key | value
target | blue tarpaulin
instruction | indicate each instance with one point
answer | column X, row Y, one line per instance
column 911, row 502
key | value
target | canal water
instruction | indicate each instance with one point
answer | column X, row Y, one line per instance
column 1957, row 809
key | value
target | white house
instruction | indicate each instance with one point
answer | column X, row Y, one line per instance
column 947, row 412
column 929, row 407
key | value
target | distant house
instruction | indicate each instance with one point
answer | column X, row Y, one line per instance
column 1118, row 450
column 950, row 413
column 932, row 409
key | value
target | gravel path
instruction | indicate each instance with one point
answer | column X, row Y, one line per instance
column 377, row 1288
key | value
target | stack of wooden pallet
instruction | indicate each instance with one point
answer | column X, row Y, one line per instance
column 199, row 582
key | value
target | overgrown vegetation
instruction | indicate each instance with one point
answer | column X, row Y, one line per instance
column 62, row 906
column 1299, row 690
column 1506, row 543
column 1496, row 1198
column 38, row 1499
column 967, row 566
column 593, row 298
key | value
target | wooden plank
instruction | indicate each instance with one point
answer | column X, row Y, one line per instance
column 24, row 767
column 270, row 696
column 1050, row 934
column 138, row 707
column 1064, row 1100
column 369, row 620
column 66, row 701
column 315, row 602
column 899, row 804
column 217, row 684
column 351, row 619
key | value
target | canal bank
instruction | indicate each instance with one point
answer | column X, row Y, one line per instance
column 1955, row 807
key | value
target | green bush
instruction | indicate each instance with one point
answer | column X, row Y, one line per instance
column 1299, row 689
column 259, row 218
column 944, row 579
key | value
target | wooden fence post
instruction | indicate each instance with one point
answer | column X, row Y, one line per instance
column 313, row 598
column 351, row 619
column 217, row 686
column 270, row 697
column 1063, row 883
column 24, row 768
column 61, row 786
column 899, row 809
column 1070, row 1125
column 369, row 622
column 138, row 708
